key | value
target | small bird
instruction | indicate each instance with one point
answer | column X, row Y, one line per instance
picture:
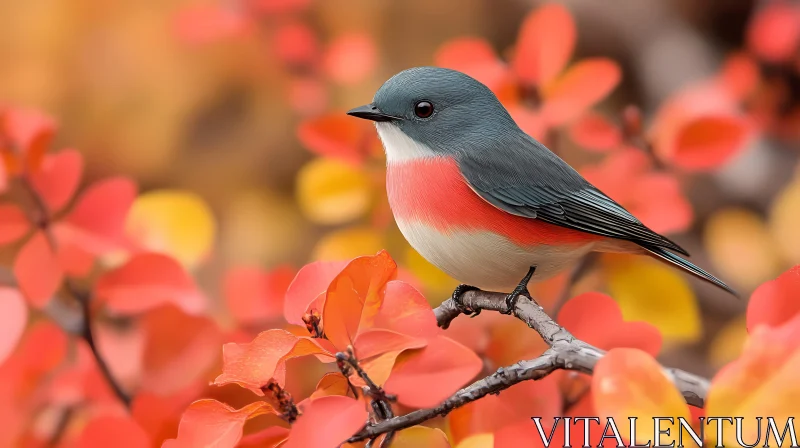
column 485, row 202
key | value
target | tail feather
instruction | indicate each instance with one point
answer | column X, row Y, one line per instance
column 688, row 267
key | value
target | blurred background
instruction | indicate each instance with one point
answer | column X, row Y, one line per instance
column 241, row 102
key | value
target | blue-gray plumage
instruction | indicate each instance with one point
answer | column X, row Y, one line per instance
column 444, row 113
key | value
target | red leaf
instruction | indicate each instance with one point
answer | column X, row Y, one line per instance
column 255, row 296
column 13, row 318
column 13, row 223
column 310, row 282
column 97, row 222
column 545, row 44
column 740, row 75
column 30, row 133
column 775, row 302
column 406, row 311
column 296, row 44
column 377, row 350
column 159, row 415
column 253, row 365
column 58, row 178
column 517, row 404
column 74, row 260
column 120, row 432
column 37, row 270
column 708, row 142
column 355, row 296
column 596, row 318
column 774, row 32
column 579, row 88
column 271, row 437
column 146, row 281
column 595, row 132
column 210, row 423
column 350, row 58
column 424, row 378
column 337, row 136
column 179, row 349
column 327, row 422
column 476, row 58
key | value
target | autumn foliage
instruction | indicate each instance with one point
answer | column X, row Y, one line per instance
column 113, row 332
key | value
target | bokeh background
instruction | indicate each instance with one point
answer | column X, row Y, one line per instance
column 240, row 103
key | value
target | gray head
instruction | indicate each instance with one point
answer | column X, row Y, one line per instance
column 442, row 109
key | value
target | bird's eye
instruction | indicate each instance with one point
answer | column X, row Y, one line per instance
column 423, row 109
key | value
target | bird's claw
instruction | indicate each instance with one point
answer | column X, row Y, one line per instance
column 522, row 288
column 457, row 293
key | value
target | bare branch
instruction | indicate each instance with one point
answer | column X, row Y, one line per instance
column 565, row 353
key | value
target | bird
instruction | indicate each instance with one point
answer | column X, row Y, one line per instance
column 485, row 202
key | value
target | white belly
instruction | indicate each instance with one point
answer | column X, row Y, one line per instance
column 488, row 260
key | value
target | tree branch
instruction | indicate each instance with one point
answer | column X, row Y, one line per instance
column 43, row 220
column 565, row 353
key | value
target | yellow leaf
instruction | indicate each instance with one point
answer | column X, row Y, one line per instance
column 741, row 247
column 420, row 436
column 651, row 291
column 728, row 343
column 761, row 383
column 348, row 243
column 437, row 284
column 783, row 221
column 332, row 192
column 477, row 441
column 629, row 383
column 174, row 222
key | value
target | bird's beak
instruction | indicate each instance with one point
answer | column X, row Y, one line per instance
column 371, row 112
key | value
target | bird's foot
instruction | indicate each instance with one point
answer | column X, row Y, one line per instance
column 522, row 288
column 457, row 293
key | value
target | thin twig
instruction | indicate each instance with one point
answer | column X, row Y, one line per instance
column 380, row 399
column 43, row 220
column 565, row 353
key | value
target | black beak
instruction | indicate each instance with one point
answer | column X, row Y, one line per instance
column 370, row 112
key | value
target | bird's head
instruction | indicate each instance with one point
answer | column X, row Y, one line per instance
column 440, row 110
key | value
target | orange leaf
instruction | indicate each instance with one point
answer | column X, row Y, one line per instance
column 97, row 222
column 424, row 378
column 377, row 350
column 596, row 133
column 31, row 133
column 327, row 422
column 13, row 223
column 213, row 424
column 146, row 281
column 58, row 178
column 254, row 296
column 579, row 88
column 708, row 142
column 545, row 43
column 107, row 430
column 159, row 415
column 596, row 318
column 775, row 302
column 762, row 382
column 773, row 33
column 272, row 437
column 630, row 383
column 337, row 136
column 420, row 436
column 310, row 282
column 332, row 383
column 355, row 296
column 476, row 58
column 14, row 315
column 406, row 311
column 253, row 364
column 37, row 270
column 179, row 349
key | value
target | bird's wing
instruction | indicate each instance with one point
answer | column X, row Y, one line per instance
column 526, row 179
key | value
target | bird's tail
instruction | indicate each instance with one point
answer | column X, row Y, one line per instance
column 676, row 260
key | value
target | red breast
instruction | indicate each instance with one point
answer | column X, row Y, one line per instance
column 432, row 191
